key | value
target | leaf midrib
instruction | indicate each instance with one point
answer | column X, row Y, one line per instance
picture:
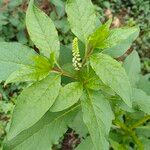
column 90, row 99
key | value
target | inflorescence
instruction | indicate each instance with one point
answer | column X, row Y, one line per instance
column 76, row 60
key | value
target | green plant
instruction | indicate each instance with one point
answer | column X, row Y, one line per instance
column 85, row 88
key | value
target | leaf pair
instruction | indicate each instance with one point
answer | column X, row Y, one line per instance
column 32, row 105
column 36, row 100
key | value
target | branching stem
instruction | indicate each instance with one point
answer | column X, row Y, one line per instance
column 130, row 132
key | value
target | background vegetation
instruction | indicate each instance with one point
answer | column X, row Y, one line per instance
column 12, row 28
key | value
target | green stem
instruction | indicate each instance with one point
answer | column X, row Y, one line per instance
column 87, row 55
column 64, row 73
column 140, row 122
column 130, row 132
column 121, row 125
column 137, row 141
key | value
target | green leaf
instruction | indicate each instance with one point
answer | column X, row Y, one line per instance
column 85, row 144
column 120, row 40
column 39, row 70
column 120, row 35
column 132, row 66
column 14, row 4
column 33, row 103
column 70, row 69
column 143, row 131
column 93, row 82
column 12, row 57
column 146, row 143
column 97, row 115
column 113, row 75
column 65, row 55
column 141, row 100
column 82, row 18
column 114, row 41
column 60, row 7
column 78, row 125
column 116, row 146
column 45, row 132
column 97, row 39
column 68, row 96
column 144, row 83
column 42, row 30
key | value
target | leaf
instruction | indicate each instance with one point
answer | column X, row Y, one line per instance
column 146, row 143
column 141, row 100
column 33, row 103
column 44, row 133
column 14, row 4
column 98, row 116
column 70, row 69
column 60, row 7
column 82, row 18
column 68, row 96
column 93, row 82
column 78, row 125
column 65, row 55
column 113, row 75
column 97, row 39
column 85, row 144
column 118, row 48
column 116, row 146
column 119, row 36
column 42, row 30
column 143, row 131
column 132, row 66
column 115, row 42
column 39, row 70
column 144, row 83
column 12, row 57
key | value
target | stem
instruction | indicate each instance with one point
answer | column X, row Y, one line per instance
column 87, row 55
column 130, row 132
column 64, row 73
column 140, row 122
column 137, row 141
column 121, row 125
